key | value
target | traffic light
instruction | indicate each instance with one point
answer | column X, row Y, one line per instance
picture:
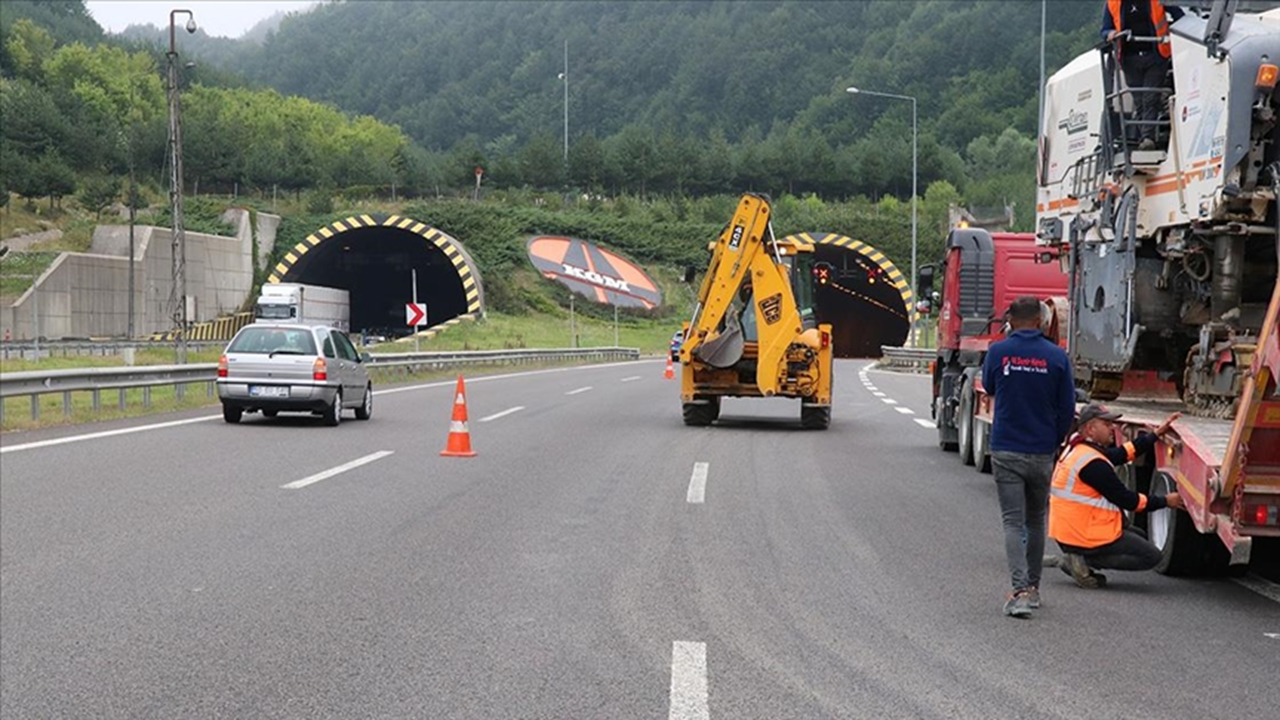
column 822, row 273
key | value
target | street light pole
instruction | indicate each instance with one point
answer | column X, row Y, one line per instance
column 565, row 77
column 915, row 175
column 179, row 249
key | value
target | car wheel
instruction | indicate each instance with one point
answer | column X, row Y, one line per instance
column 232, row 413
column 333, row 416
column 365, row 411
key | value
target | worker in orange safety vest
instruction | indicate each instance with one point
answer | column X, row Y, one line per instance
column 1145, row 62
column 1087, row 500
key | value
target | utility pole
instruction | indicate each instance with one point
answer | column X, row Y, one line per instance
column 565, row 77
column 178, row 294
column 133, row 201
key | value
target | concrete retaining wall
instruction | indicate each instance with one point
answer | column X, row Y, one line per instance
column 86, row 294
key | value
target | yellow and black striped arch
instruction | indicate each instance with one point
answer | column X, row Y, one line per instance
column 891, row 271
column 446, row 244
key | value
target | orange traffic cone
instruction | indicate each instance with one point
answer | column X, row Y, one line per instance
column 459, row 444
column 670, row 372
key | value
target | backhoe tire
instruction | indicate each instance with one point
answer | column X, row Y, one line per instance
column 701, row 414
column 814, row 417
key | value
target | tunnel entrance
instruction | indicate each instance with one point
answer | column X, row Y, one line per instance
column 373, row 257
column 868, row 301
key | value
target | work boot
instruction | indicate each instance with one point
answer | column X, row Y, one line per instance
column 1017, row 604
column 1075, row 566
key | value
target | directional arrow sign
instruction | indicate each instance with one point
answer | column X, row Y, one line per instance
column 415, row 314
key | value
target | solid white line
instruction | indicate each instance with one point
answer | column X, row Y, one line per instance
column 905, row 411
column 104, row 434
column 336, row 471
column 630, row 379
column 388, row 391
column 1263, row 587
column 504, row 413
column 925, row 423
column 888, row 401
column 579, row 390
column 697, row 483
column 689, row 681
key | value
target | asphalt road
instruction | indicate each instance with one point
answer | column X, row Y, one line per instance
column 596, row 559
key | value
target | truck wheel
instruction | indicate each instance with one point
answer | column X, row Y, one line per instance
column 232, row 413
column 365, row 411
column 1184, row 550
column 981, row 446
column 701, row 414
column 814, row 417
column 333, row 414
column 964, row 420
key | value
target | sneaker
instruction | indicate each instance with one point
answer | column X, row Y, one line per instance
column 1078, row 569
column 1017, row 604
column 1033, row 598
column 1052, row 561
column 1147, row 144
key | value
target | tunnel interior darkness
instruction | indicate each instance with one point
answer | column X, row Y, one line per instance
column 862, row 304
column 375, row 265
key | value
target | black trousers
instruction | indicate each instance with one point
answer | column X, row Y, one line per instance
column 1148, row 70
column 1130, row 551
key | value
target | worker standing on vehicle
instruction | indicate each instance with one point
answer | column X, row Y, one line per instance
column 1031, row 382
column 1145, row 63
column 1087, row 500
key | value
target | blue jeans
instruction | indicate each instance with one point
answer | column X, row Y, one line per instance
column 1022, row 485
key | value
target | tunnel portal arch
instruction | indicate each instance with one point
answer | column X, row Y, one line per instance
column 373, row 257
column 868, row 302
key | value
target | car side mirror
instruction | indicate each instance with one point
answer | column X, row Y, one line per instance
column 924, row 280
column 366, row 357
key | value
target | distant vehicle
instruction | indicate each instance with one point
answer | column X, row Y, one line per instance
column 287, row 367
column 676, row 341
column 305, row 304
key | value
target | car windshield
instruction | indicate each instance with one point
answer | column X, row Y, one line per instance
column 271, row 341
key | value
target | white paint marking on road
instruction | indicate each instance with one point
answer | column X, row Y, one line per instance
column 104, row 434
column 504, row 413
column 507, row 376
column 633, row 378
column 1273, row 636
column 1263, row 587
column 878, row 394
column 697, row 483
column 296, row 484
column 925, row 423
column 888, row 401
column 905, row 411
column 579, row 390
column 689, row 681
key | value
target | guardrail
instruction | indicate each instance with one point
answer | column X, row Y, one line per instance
column 904, row 357
column 28, row 350
column 36, row 383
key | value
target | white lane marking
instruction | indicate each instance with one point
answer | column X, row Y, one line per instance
column 1263, row 587
column 689, row 681
column 1273, row 636
column 888, row 401
column 697, row 483
column 579, row 390
column 905, row 411
column 925, row 423
column 504, row 413
column 631, row 379
column 878, row 394
column 104, row 434
column 296, row 484
column 389, row 391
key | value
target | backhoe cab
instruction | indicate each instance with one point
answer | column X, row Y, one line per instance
column 753, row 332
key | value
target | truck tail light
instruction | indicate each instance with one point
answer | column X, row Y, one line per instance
column 319, row 370
column 222, row 366
column 1264, row 514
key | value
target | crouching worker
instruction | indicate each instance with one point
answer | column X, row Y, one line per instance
column 1087, row 500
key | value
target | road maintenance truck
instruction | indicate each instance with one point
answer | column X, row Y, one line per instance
column 753, row 331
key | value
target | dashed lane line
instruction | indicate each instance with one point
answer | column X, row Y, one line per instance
column 905, row 410
column 504, row 413
column 888, row 401
column 697, row 484
column 633, row 378
column 925, row 423
column 689, row 681
column 579, row 390
column 298, row 484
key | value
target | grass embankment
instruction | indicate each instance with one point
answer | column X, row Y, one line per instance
column 496, row 332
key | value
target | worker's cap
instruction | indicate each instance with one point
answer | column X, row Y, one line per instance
column 1097, row 412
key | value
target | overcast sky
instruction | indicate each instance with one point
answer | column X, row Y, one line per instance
column 223, row 18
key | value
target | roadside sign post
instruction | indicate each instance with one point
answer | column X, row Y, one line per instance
column 415, row 314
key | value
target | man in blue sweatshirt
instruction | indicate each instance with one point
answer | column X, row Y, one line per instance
column 1030, row 379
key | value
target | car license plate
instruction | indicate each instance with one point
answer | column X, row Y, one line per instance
column 268, row 391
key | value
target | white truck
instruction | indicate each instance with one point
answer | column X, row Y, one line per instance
column 312, row 304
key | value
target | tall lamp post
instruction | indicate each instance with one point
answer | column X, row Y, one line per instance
column 179, row 292
column 565, row 77
column 914, row 177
